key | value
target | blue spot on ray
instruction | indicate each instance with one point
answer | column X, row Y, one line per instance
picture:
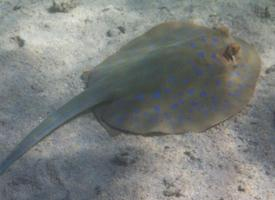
column 213, row 56
column 139, row 97
column 156, row 95
column 201, row 54
column 174, row 106
column 180, row 101
column 156, row 108
column 193, row 45
column 190, row 110
column 167, row 90
column 186, row 81
column 218, row 82
column 203, row 94
column 191, row 91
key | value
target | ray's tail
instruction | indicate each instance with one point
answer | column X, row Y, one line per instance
column 77, row 105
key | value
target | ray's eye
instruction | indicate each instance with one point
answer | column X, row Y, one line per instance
column 231, row 51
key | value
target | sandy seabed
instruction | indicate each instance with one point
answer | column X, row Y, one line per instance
column 45, row 47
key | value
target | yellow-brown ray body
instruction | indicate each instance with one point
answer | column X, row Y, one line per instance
column 177, row 77
column 180, row 77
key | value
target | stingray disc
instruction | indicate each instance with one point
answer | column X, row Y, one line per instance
column 177, row 77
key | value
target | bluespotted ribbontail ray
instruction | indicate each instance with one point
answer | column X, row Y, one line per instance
column 177, row 77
